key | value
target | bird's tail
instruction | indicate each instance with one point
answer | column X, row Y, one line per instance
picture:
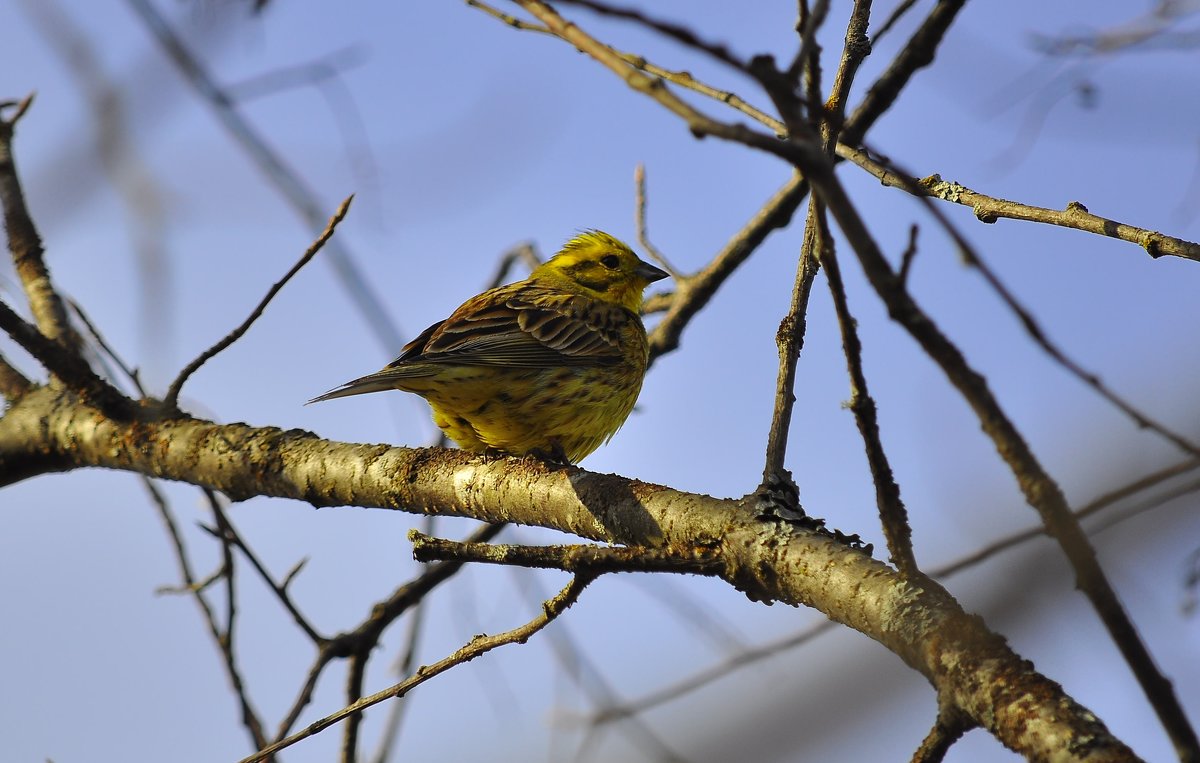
column 373, row 383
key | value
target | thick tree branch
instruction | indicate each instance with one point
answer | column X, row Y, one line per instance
column 769, row 560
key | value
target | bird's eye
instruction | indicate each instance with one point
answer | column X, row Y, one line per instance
column 610, row 261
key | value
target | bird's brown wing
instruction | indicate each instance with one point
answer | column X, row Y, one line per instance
column 523, row 326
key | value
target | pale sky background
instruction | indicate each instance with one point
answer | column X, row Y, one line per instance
column 462, row 137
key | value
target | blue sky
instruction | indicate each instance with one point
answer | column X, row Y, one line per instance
column 461, row 137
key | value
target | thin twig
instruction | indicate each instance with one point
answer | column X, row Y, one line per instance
column 668, row 29
column 228, row 638
column 696, row 291
column 892, row 514
column 24, row 243
column 170, row 401
column 639, row 219
column 789, row 339
column 365, row 637
column 130, row 373
column 581, row 558
column 947, row 729
column 233, row 537
column 222, row 638
column 476, row 647
column 505, row 18
column 989, row 209
column 916, row 54
column 891, row 20
column 1028, row 322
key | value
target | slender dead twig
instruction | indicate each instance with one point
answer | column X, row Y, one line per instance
column 170, row 401
column 696, row 290
column 916, row 54
column 583, row 558
column 639, row 220
column 668, row 29
column 947, row 729
column 989, row 209
column 222, row 637
column 789, row 339
column 890, row 22
column 24, row 242
column 228, row 639
column 892, row 513
column 476, row 647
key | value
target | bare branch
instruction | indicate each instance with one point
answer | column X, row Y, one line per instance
column 170, row 401
column 892, row 513
column 790, row 340
column 769, row 559
column 989, row 209
column 598, row 559
column 639, row 216
column 64, row 364
column 947, row 730
column 478, row 646
column 917, row 53
column 23, row 240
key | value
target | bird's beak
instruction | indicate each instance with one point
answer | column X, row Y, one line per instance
column 649, row 273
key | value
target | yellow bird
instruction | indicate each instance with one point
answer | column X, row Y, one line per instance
column 549, row 366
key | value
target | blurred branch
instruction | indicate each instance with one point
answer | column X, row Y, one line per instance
column 222, row 638
column 890, row 22
column 477, row 646
column 303, row 200
column 1151, row 30
column 116, row 147
column 591, row 681
column 171, row 400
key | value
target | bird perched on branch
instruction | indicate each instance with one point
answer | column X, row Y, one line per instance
column 549, row 366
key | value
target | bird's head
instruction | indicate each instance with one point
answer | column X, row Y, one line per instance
column 600, row 266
